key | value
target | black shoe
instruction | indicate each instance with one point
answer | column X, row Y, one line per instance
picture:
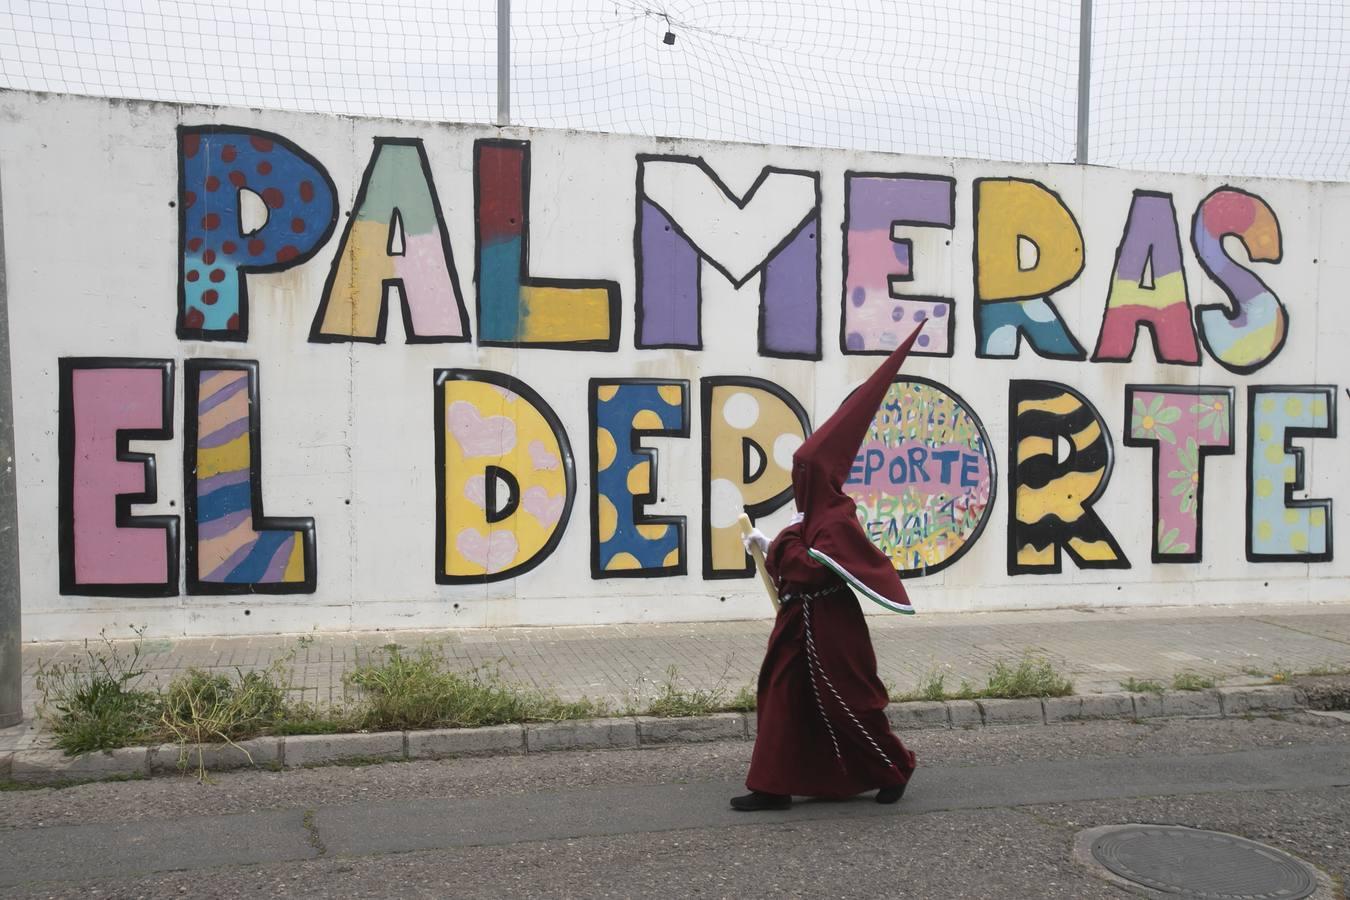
column 890, row 795
column 756, row 801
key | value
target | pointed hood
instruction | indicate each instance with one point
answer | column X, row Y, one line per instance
column 831, row 531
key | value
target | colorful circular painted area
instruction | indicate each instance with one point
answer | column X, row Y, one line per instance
column 924, row 478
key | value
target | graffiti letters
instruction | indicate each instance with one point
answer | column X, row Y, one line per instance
column 751, row 428
column 248, row 201
column 924, row 478
column 878, row 264
column 1184, row 426
column 504, row 475
column 1060, row 461
column 624, row 541
column 105, row 550
column 1280, row 528
column 395, row 249
column 686, row 217
column 232, row 547
column 516, row 308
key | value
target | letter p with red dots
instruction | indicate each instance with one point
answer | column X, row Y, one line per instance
column 221, row 240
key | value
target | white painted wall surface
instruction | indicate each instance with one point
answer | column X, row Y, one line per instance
column 91, row 240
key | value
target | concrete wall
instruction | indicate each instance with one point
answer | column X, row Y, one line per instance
column 280, row 372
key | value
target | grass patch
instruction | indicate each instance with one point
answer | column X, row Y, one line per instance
column 1030, row 677
column 933, row 687
column 201, row 708
column 411, row 692
column 1191, row 681
column 1329, row 669
column 745, row 700
column 1146, row 686
column 97, row 703
column 672, row 701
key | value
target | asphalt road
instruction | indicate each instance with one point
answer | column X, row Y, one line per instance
column 991, row 813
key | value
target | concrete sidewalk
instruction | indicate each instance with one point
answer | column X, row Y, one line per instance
column 622, row 664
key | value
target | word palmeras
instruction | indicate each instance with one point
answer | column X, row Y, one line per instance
column 255, row 202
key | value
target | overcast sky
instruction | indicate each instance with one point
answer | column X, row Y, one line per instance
column 1232, row 87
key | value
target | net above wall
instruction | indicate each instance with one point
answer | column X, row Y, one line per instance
column 1238, row 87
column 1249, row 87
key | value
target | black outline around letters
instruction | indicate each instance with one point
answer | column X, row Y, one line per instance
column 1196, row 554
column 318, row 336
column 258, row 520
column 706, row 387
column 1144, row 323
column 241, row 333
column 526, row 393
column 1230, row 309
column 1087, row 504
column 893, row 281
column 639, row 500
column 741, row 202
column 525, row 279
column 1081, row 355
column 122, row 502
column 1298, row 484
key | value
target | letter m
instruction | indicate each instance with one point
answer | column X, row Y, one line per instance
column 688, row 217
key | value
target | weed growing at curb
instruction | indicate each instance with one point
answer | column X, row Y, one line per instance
column 746, row 700
column 97, row 704
column 673, row 701
column 932, row 686
column 1031, row 677
column 418, row 691
column 1191, row 681
column 1136, row 686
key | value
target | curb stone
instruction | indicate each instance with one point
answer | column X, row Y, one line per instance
column 38, row 766
column 314, row 749
column 1012, row 712
column 581, row 734
column 1089, row 706
column 1277, row 698
column 447, row 743
column 690, row 729
column 262, row 752
column 918, row 715
column 1192, row 704
column 964, row 713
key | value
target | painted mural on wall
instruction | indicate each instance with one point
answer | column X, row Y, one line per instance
column 456, row 244
column 504, row 476
column 924, row 480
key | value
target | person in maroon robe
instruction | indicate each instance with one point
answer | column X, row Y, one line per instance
column 822, row 727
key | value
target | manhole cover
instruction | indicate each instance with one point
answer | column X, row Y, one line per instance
column 1201, row 864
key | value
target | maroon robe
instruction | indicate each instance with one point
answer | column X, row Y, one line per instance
column 822, row 727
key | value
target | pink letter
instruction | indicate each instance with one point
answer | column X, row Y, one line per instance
column 104, row 549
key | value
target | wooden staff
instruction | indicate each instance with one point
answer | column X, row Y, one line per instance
column 746, row 527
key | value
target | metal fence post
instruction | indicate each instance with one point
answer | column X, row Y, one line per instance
column 11, row 660
column 503, row 62
column 1084, row 77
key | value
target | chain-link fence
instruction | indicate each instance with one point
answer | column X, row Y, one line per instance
column 1231, row 87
